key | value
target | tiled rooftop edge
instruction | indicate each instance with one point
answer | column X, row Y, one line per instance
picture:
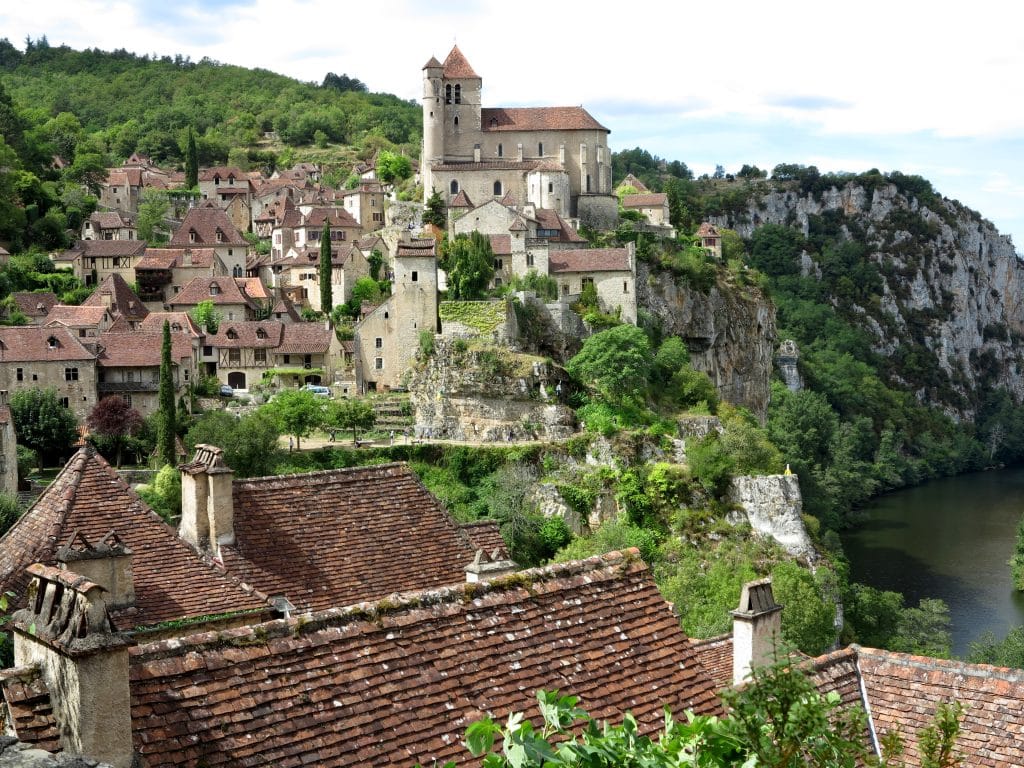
column 968, row 669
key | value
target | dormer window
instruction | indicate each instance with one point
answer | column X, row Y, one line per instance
column 260, row 333
column 231, row 180
column 214, row 289
column 232, row 333
column 216, row 180
column 192, row 236
column 175, row 326
column 220, row 235
column 52, row 342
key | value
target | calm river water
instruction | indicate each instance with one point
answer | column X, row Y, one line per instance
column 951, row 539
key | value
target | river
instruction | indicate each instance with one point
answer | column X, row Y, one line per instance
column 950, row 539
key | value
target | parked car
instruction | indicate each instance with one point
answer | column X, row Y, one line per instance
column 226, row 391
column 318, row 390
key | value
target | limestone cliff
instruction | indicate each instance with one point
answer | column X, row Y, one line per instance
column 730, row 331
column 951, row 285
column 772, row 504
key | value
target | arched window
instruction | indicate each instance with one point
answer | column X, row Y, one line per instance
column 501, row 152
column 588, row 182
column 458, row 94
column 454, row 187
column 236, row 271
column 540, row 149
column 448, row 94
column 497, row 189
column 456, row 121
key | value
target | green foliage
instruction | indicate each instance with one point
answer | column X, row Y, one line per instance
column 615, row 363
column 545, row 286
column 924, row 631
column 113, row 421
column 43, row 424
column 207, row 316
column 710, row 463
column 249, row 443
column 613, row 535
column 468, row 261
column 326, row 284
column 164, row 495
column 376, row 261
column 153, row 209
column 672, row 355
column 482, row 316
column 351, row 413
column 392, row 167
column 775, row 250
column 807, row 616
column 365, row 289
column 10, row 511
column 531, row 538
column 435, row 212
column 296, row 411
column 1017, row 560
column 426, row 344
column 167, row 418
column 1008, row 652
column 937, row 742
column 191, row 162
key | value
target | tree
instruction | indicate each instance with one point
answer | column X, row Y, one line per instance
column 376, row 261
column 468, row 261
column 191, row 162
column 249, row 443
column 365, row 289
column 616, row 362
column 114, row 420
column 207, row 316
column 43, row 424
column 342, row 83
column 350, row 413
column 1008, row 652
column 435, row 212
column 775, row 249
column 166, row 415
column 807, row 618
column 924, row 631
column 297, row 412
column 10, row 511
column 392, row 167
column 152, row 211
column 326, row 287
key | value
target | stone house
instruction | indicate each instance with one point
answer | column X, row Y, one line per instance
column 300, row 229
column 612, row 272
column 33, row 305
column 207, row 226
column 297, row 274
column 388, row 338
column 128, row 365
column 232, row 191
column 123, row 187
column 365, row 204
column 242, row 350
column 709, row 237
column 109, row 225
column 93, row 261
column 553, row 157
column 162, row 272
column 84, row 322
column 654, row 208
column 226, row 293
column 118, row 298
column 43, row 358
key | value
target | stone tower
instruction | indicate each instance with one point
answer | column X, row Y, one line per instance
column 433, row 120
column 452, row 99
column 415, row 291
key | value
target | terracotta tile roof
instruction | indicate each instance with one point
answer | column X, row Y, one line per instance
column 549, row 219
column 509, row 200
column 264, row 334
column 205, row 222
column 338, row 217
column 88, row 497
column 28, row 704
column 169, row 258
column 285, row 307
column 31, row 344
column 34, row 304
column 715, row 655
column 222, row 171
column 649, row 200
column 198, row 289
column 837, row 672
column 253, row 287
column 485, row 535
column 461, row 200
column 904, row 691
column 589, row 260
column 154, row 323
column 76, row 316
column 338, row 537
column 397, row 682
column 486, row 165
column 538, row 119
column 117, row 294
column 140, row 350
column 369, row 242
column 456, row 66
column 110, row 220
column 418, row 248
column 107, row 248
column 305, row 339
column 707, row 229
column 501, row 244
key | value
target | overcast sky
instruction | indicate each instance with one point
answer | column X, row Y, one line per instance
column 933, row 88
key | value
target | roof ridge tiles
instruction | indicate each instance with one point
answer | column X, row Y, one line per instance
column 301, row 477
column 966, row 668
column 599, row 567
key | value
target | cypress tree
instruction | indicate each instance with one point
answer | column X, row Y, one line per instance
column 191, row 162
column 166, row 416
column 326, row 298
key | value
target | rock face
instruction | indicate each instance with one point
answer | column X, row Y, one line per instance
column 950, row 282
column 488, row 394
column 730, row 333
column 772, row 504
column 787, row 359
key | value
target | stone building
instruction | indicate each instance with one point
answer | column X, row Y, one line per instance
column 553, row 157
column 44, row 358
column 117, row 297
column 93, row 261
column 162, row 272
column 612, row 272
column 129, row 367
column 207, row 226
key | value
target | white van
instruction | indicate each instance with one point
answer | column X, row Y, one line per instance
column 318, row 390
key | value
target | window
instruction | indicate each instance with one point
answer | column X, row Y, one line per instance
column 129, row 375
column 497, row 189
column 259, row 355
column 540, row 149
column 551, row 187
column 70, row 374
column 220, row 236
column 378, row 363
column 588, row 182
column 458, row 94
column 81, row 333
column 501, row 151
column 625, row 286
column 35, row 377
column 214, row 289
column 19, row 374
column 236, row 271
column 499, row 264
column 232, row 333
column 260, row 333
column 529, row 259
column 584, row 282
column 191, row 235
column 186, row 374
column 216, row 181
column 456, row 121
column 415, row 276
column 448, row 94
column 52, row 342
column 65, row 402
column 127, row 397
column 286, row 359
column 454, row 187
column 234, row 356
column 207, row 350
column 378, row 342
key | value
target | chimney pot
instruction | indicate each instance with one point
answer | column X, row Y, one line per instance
column 757, row 624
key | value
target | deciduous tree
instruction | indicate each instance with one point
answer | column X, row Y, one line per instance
column 468, row 261
column 297, row 412
column 43, row 424
column 115, row 421
column 207, row 316
column 616, row 362
column 350, row 413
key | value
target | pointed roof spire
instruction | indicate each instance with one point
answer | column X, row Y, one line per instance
column 432, row 63
column 456, row 66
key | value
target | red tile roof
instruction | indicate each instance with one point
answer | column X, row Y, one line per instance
column 634, row 182
column 461, row 200
column 264, row 334
column 396, row 683
column 110, row 220
column 204, row 222
column 154, row 323
column 551, row 220
column 538, row 119
column 707, row 230
column 101, row 248
column 456, row 66
column 223, row 172
column 338, row 217
column 198, row 289
column 31, row 344
column 650, row 200
column 486, row 535
column 501, row 244
column 140, row 350
column 305, row 339
column 338, row 537
column 589, row 260
column 34, row 304
column 88, row 497
column 417, row 248
column 117, row 294
column 76, row 316
column 169, row 258
column 486, row 165
column 28, row 701
column 715, row 655
column 432, row 62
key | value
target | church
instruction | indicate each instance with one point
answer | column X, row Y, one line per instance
column 552, row 157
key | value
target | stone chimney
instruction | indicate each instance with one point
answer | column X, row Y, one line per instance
column 107, row 563
column 207, row 509
column 489, row 567
column 756, row 628
column 67, row 635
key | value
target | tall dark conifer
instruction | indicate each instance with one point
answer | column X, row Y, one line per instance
column 326, row 294
column 191, row 162
column 166, row 415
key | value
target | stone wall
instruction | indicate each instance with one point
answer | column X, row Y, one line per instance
column 773, row 506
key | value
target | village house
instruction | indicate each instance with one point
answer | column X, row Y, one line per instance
column 207, row 226
column 653, row 206
column 118, row 298
column 128, row 365
column 162, row 272
column 365, row 204
column 300, row 230
column 48, row 358
column 241, row 354
column 554, row 157
column 123, row 187
column 611, row 271
column 109, row 225
column 709, row 237
column 35, row 306
column 226, row 293
column 93, row 261
column 84, row 322
column 232, row 191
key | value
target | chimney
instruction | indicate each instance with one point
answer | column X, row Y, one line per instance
column 207, row 509
column 107, row 563
column 489, row 567
column 756, row 627
column 67, row 635
column 186, row 258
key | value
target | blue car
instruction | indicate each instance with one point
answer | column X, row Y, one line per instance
column 226, row 391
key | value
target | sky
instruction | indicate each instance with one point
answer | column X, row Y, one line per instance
column 930, row 88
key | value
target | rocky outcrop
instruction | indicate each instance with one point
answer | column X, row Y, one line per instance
column 950, row 282
column 486, row 393
column 730, row 332
column 772, row 504
column 787, row 359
